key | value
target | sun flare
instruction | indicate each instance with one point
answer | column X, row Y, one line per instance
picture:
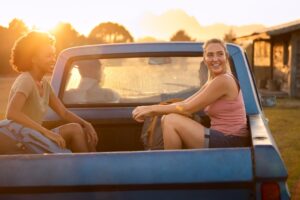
column 41, row 23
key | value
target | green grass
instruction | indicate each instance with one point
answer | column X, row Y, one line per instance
column 285, row 127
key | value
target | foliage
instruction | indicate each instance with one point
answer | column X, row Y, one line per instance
column 110, row 33
column 65, row 34
column 8, row 36
column 228, row 37
column 181, row 35
column 147, row 39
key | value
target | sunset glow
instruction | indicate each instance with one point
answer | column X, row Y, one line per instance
column 85, row 15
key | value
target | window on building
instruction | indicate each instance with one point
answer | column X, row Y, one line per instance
column 262, row 53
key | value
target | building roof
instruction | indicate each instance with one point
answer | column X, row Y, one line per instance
column 284, row 28
column 275, row 30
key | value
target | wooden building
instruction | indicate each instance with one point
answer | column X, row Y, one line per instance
column 274, row 54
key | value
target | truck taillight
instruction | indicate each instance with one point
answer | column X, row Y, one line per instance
column 270, row 191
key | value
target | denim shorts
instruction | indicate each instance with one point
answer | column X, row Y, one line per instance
column 217, row 139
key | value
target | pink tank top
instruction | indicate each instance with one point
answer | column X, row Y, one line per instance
column 228, row 116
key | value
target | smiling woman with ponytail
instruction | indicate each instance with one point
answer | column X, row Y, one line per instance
column 221, row 98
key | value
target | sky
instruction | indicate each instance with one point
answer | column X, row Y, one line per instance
column 86, row 14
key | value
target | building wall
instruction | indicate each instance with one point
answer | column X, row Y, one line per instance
column 281, row 66
column 295, row 64
column 275, row 55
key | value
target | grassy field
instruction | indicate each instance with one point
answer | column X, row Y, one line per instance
column 285, row 127
column 283, row 121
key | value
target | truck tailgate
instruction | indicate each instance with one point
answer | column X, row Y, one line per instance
column 187, row 174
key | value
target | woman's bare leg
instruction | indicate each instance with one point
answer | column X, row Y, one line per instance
column 75, row 137
column 179, row 130
column 91, row 147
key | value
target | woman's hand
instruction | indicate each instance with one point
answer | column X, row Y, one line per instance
column 141, row 112
column 91, row 133
column 56, row 138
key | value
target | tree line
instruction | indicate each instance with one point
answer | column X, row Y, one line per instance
column 66, row 36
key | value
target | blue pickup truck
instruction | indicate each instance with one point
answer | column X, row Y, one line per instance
column 103, row 84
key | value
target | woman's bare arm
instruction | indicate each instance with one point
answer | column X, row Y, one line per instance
column 64, row 113
column 14, row 112
column 213, row 91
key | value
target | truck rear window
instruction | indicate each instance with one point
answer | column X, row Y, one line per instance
column 133, row 80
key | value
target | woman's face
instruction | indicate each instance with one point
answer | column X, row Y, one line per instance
column 45, row 59
column 215, row 58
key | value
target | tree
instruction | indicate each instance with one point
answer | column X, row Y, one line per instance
column 66, row 36
column 110, row 33
column 17, row 27
column 228, row 37
column 147, row 39
column 181, row 36
column 8, row 36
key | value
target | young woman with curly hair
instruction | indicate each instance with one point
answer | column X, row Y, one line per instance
column 33, row 55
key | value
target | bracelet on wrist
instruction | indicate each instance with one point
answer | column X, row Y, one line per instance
column 179, row 108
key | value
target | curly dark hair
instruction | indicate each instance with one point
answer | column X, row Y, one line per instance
column 26, row 47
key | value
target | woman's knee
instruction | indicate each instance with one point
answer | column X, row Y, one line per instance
column 170, row 122
column 170, row 118
column 71, row 129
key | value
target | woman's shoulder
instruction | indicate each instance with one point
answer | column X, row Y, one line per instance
column 224, row 78
column 225, row 82
column 23, row 76
column 23, row 84
column 229, row 83
column 23, row 79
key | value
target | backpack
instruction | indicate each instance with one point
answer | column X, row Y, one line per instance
column 10, row 146
column 17, row 139
column 152, row 137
